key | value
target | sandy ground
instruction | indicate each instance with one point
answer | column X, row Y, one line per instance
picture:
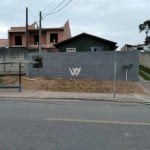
column 76, row 85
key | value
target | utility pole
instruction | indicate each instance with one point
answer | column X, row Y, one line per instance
column 115, row 69
column 40, row 33
column 27, row 35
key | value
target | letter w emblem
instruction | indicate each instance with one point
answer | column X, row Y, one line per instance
column 75, row 71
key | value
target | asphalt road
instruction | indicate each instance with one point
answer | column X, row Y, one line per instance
column 74, row 125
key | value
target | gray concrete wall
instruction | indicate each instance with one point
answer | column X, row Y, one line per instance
column 144, row 59
column 12, row 55
column 88, row 65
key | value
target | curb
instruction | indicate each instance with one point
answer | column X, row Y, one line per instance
column 69, row 99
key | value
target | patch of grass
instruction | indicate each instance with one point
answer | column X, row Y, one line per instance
column 144, row 72
column 145, row 69
column 144, row 75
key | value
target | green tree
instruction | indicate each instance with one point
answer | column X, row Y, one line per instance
column 145, row 26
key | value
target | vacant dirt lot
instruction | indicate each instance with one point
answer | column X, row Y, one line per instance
column 75, row 85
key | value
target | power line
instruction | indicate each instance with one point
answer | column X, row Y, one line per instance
column 60, row 4
column 58, row 10
column 53, row 5
column 50, row 5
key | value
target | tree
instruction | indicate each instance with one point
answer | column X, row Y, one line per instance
column 145, row 26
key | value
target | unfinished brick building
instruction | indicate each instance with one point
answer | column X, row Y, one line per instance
column 49, row 36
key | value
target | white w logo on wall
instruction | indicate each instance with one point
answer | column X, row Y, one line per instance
column 75, row 71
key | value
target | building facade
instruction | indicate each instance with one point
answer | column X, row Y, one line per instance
column 86, row 43
column 139, row 47
column 49, row 36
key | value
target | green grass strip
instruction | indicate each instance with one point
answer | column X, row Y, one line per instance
column 145, row 69
column 144, row 75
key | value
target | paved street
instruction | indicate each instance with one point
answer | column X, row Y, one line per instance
column 75, row 125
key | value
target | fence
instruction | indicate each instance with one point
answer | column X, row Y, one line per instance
column 11, row 55
column 14, row 86
column 87, row 65
column 144, row 59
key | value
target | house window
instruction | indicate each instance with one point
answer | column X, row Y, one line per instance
column 36, row 39
column 71, row 50
column 96, row 49
column 18, row 40
column 38, row 62
column 53, row 37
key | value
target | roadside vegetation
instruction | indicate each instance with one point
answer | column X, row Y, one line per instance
column 144, row 72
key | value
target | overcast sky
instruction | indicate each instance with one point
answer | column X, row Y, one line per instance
column 115, row 20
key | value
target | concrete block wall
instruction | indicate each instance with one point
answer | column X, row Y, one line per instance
column 144, row 59
column 12, row 55
column 87, row 65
